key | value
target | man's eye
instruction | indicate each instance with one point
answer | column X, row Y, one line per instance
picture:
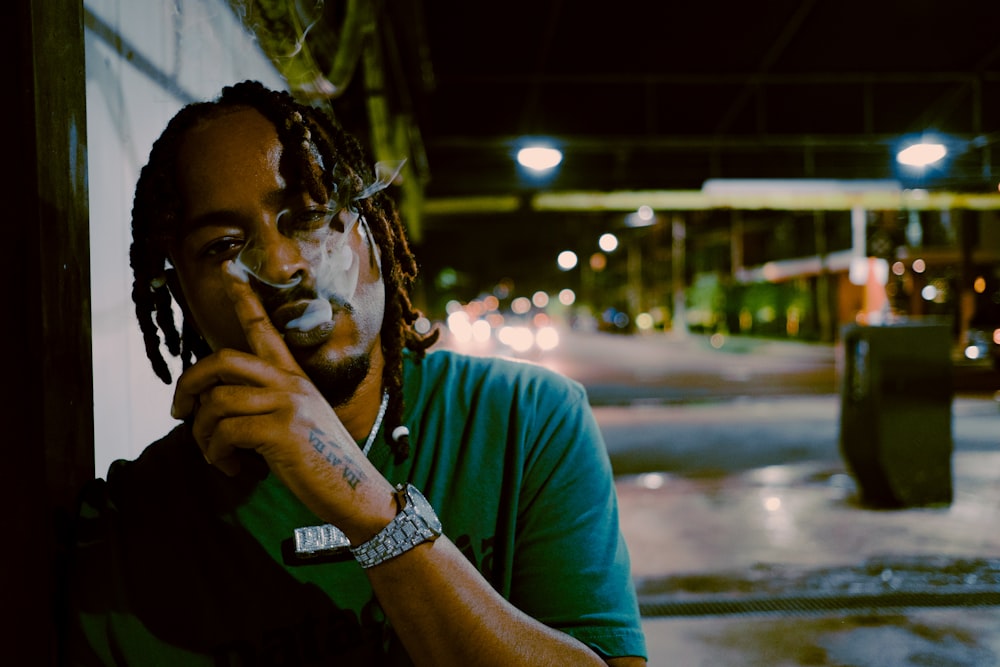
column 222, row 248
column 307, row 219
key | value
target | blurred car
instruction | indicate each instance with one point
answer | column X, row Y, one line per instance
column 514, row 335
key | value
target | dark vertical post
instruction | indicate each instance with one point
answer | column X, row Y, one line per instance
column 735, row 243
column 48, row 429
column 633, row 268
column 967, row 240
column 824, row 306
column 679, row 253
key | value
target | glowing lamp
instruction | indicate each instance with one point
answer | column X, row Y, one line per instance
column 921, row 155
column 539, row 158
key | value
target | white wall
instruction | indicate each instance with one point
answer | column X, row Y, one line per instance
column 171, row 51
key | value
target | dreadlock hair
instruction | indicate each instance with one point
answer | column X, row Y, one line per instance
column 319, row 156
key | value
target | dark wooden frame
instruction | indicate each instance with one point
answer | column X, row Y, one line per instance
column 48, row 439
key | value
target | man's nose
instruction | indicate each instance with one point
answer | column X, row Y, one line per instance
column 275, row 259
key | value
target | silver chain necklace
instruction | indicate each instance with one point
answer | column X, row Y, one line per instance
column 378, row 423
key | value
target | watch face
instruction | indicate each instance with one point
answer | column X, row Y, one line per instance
column 424, row 509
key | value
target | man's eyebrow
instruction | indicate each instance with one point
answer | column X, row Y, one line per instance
column 273, row 199
column 220, row 218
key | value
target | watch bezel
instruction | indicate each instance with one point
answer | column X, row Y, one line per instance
column 423, row 508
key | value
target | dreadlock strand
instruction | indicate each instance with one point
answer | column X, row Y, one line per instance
column 194, row 346
column 165, row 319
column 151, row 337
column 293, row 128
column 154, row 211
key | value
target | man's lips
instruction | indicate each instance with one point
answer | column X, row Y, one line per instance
column 315, row 332
column 282, row 315
column 309, row 338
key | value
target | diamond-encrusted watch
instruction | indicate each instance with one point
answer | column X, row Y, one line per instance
column 415, row 524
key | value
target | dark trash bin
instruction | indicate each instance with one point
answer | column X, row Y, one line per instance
column 895, row 420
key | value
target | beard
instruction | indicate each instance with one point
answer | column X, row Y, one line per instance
column 337, row 374
column 339, row 380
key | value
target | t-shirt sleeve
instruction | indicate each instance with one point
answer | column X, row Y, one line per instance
column 572, row 569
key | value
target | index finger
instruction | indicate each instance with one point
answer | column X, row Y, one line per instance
column 264, row 339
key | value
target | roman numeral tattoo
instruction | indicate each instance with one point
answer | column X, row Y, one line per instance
column 330, row 451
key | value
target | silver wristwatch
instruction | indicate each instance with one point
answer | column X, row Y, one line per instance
column 415, row 524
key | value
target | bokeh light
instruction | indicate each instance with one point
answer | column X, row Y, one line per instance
column 607, row 242
column 547, row 338
column 567, row 260
column 518, row 338
column 520, row 305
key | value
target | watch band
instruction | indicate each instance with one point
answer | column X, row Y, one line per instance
column 415, row 524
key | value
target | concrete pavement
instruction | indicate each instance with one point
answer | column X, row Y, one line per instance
column 748, row 545
column 775, row 563
column 705, row 438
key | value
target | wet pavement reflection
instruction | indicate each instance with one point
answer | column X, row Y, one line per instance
column 802, row 514
column 781, row 565
column 951, row 637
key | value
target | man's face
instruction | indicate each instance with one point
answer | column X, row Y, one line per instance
column 234, row 197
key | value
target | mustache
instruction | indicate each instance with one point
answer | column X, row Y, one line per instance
column 273, row 298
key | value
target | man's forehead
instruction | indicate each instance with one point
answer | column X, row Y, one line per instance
column 244, row 135
column 228, row 162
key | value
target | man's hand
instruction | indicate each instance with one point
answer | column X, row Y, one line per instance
column 264, row 401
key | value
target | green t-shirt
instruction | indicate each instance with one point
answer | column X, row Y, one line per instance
column 177, row 564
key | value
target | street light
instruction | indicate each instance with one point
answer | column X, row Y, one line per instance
column 539, row 158
column 921, row 154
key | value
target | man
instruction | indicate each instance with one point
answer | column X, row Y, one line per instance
column 281, row 523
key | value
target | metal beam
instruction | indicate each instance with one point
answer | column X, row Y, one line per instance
column 697, row 200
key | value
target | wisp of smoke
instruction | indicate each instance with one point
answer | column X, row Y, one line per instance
column 324, row 245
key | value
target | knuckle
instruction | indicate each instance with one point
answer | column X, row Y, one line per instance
column 223, row 434
column 258, row 322
column 227, row 356
column 300, row 383
column 209, row 400
column 202, row 435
